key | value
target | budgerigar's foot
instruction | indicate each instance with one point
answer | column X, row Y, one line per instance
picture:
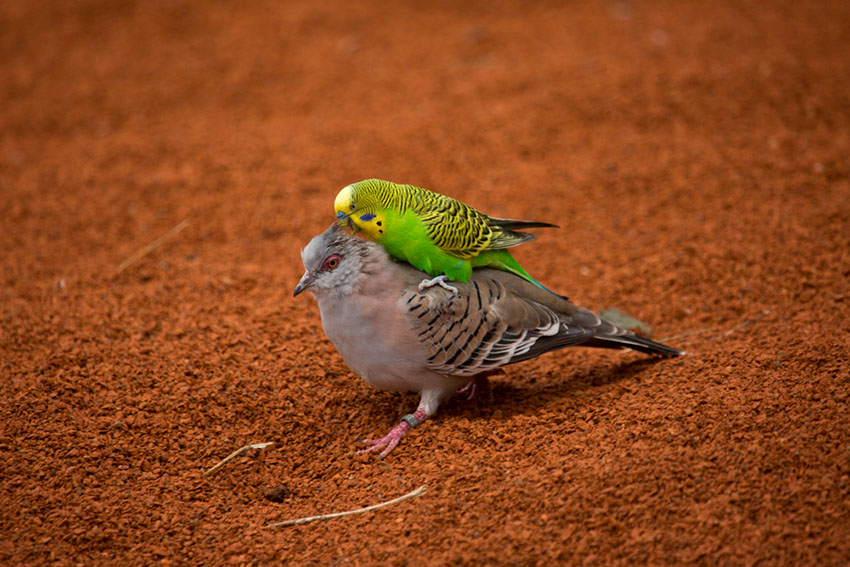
column 440, row 281
column 390, row 441
column 479, row 385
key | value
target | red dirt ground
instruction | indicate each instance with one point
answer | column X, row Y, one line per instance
column 696, row 156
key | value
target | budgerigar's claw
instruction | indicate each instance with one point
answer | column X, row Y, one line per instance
column 440, row 281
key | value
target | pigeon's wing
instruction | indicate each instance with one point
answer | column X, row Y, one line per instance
column 484, row 326
column 499, row 318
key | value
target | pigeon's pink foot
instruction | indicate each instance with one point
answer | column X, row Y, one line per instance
column 389, row 441
column 479, row 385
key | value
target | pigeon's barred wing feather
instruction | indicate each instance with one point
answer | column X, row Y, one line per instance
column 482, row 327
column 498, row 319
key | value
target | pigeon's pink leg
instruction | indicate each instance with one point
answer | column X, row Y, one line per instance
column 391, row 439
column 479, row 384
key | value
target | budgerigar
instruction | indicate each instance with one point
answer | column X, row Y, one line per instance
column 435, row 342
column 434, row 233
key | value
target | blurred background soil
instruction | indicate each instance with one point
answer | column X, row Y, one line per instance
column 695, row 155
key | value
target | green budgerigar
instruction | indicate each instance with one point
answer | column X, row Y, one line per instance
column 436, row 234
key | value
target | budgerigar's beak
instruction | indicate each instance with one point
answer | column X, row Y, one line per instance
column 345, row 219
column 307, row 281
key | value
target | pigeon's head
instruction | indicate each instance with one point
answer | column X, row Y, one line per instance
column 332, row 261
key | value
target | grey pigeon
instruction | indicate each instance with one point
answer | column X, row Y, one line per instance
column 399, row 337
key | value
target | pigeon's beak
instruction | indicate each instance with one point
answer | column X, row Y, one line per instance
column 307, row 281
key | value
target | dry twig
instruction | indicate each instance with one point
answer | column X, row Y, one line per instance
column 297, row 521
column 686, row 334
column 722, row 335
column 738, row 327
column 150, row 247
column 235, row 454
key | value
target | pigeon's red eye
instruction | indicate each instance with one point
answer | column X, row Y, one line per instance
column 331, row 262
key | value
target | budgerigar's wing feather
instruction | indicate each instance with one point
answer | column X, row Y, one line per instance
column 455, row 227
column 462, row 231
column 508, row 239
column 499, row 319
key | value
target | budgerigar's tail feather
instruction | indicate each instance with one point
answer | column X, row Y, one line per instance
column 502, row 260
column 511, row 224
column 540, row 285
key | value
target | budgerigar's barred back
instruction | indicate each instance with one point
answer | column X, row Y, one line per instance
column 435, row 233
column 434, row 342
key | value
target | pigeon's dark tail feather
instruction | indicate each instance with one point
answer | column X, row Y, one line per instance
column 634, row 342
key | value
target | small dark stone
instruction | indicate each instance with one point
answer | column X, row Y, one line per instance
column 277, row 493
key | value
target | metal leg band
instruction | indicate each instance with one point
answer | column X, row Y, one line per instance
column 411, row 420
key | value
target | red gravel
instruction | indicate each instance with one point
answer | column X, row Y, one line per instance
column 695, row 156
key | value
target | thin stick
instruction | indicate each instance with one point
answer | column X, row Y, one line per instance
column 295, row 522
column 738, row 327
column 686, row 334
column 722, row 335
column 150, row 247
column 235, row 454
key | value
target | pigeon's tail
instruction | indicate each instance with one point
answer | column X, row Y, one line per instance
column 627, row 339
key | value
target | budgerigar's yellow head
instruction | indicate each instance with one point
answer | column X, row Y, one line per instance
column 362, row 208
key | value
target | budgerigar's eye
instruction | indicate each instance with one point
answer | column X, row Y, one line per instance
column 353, row 206
column 331, row 262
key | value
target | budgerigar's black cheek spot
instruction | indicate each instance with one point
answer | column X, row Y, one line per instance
column 381, row 231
